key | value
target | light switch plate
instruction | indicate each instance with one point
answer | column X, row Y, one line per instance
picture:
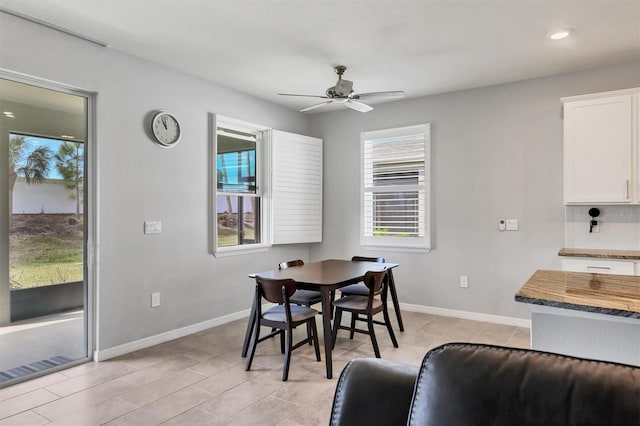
column 152, row 227
column 512, row 224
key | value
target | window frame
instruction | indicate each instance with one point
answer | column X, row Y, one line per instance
column 389, row 242
column 262, row 185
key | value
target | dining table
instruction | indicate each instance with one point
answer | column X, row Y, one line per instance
column 324, row 276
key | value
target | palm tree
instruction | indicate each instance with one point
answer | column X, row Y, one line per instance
column 32, row 164
column 70, row 164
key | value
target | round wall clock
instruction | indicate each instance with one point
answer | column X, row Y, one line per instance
column 165, row 129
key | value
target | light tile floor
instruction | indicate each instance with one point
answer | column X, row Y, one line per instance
column 201, row 378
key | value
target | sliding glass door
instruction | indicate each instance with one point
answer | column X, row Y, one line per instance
column 43, row 270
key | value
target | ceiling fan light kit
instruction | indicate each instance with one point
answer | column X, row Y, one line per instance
column 342, row 92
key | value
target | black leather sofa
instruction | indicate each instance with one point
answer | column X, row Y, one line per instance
column 472, row 384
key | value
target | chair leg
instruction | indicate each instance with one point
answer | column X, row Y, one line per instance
column 352, row 332
column 372, row 334
column 314, row 329
column 309, row 328
column 287, row 355
column 309, row 333
column 253, row 346
column 387, row 322
column 336, row 324
column 282, row 341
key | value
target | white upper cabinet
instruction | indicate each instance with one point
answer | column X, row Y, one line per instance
column 601, row 148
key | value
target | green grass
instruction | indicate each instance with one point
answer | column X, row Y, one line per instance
column 229, row 237
column 37, row 260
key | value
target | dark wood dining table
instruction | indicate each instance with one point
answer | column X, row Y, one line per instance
column 325, row 276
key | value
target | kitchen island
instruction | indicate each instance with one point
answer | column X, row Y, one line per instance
column 584, row 314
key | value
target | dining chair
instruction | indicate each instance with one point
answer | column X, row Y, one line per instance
column 360, row 289
column 282, row 318
column 302, row 297
column 368, row 306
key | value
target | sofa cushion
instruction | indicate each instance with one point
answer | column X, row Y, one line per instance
column 469, row 384
column 373, row 391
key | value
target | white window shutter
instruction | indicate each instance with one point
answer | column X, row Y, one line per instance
column 296, row 182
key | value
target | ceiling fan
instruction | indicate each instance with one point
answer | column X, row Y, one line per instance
column 342, row 93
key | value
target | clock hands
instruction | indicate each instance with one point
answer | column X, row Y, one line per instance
column 164, row 121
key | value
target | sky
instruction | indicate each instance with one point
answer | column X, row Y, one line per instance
column 53, row 144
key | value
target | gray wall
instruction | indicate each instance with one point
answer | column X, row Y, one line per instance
column 137, row 181
column 496, row 153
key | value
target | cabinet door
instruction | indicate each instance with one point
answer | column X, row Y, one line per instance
column 598, row 138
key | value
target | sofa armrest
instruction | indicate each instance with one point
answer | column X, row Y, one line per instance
column 373, row 392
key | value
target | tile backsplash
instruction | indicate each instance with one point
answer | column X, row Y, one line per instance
column 619, row 228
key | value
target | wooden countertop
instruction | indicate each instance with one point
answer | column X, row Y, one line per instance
column 600, row 293
column 602, row 254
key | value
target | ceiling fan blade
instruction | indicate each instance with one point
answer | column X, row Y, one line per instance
column 357, row 106
column 379, row 95
column 315, row 106
column 306, row 96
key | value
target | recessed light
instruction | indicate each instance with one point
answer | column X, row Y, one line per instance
column 67, row 137
column 559, row 35
column 9, row 114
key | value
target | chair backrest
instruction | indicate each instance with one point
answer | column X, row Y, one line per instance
column 508, row 386
column 367, row 259
column 285, row 265
column 374, row 280
column 272, row 289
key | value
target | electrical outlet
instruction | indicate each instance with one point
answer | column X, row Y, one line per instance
column 464, row 281
column 155, row 300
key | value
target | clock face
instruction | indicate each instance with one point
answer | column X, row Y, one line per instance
column 165, row 129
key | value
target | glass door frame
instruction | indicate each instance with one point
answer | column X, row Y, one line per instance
column 89, row 207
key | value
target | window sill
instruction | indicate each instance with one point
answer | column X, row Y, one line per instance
column 391, row 247
column 238, row 250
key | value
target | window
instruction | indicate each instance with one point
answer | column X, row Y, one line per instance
column 395, row 188
column 239, row 200
column 266, row 187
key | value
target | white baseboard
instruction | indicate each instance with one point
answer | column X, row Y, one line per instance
column 475, row 316
column 104, row 354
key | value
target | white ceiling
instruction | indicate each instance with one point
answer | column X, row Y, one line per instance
column 263, row 47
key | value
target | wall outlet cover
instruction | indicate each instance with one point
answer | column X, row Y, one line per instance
column 155, row 300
